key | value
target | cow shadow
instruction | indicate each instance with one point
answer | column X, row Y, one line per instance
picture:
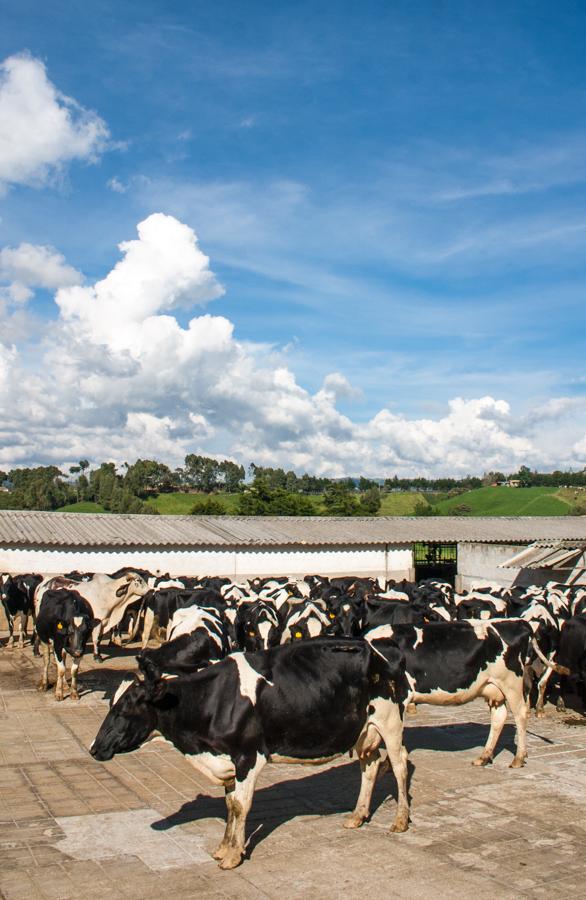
column 329, row 792
column 103, row 680
column 334, row 790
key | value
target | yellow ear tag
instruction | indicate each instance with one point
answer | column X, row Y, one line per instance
column 251, row 634
column 60, row 626
column 332, row 615
column 298, row 634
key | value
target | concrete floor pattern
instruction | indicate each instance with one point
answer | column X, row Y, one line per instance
column 143, row 825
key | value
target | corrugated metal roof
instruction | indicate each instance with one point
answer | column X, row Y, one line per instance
column 547, row 555
column 20, row 528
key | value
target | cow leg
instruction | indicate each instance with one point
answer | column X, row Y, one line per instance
column 370, row 766
column 240, row 801
column 10, row 642
column 96, row 635
column 498, row 717
column 61, row 670
column 518, row 707
column 541, row 689
column 224, row 845
column 75, row 664
column 22, row 620
column 388, row 721
column 149, row 621
column 44, row 682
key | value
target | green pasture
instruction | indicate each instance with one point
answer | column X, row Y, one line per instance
column 84, row 506
column 401, row 503
column 507, row 501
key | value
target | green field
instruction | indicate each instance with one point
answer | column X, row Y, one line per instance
column 487, row 501
column 84, row 506
column 507, row 501
column 179, row 504
column 401, row 503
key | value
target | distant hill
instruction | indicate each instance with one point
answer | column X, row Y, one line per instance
column 507, row 501
column 486, row 501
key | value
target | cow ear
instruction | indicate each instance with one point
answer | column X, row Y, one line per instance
column 122, row 590
column 151, row 671
column 95, row 622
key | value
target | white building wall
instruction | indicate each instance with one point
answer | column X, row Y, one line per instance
column 395, row 562
column 479, row 564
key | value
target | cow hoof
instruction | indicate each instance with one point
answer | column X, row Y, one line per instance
column 220, row 852
column 98, row 657
column 354, row 821
column 482, row 761
column 74, row 695
column 411, row 709
column 400, row 825
column 58, row 697
column 231, row 859
column 540, row 714
column 42, row 687
column 518, row 763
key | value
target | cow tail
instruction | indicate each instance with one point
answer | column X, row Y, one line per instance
column 561, row 670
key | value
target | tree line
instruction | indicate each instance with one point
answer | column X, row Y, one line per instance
column 269, row 490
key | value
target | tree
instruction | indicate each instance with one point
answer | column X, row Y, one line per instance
column 370, row 502
column 232, row 476
column 338, row 501
column 207, row 506
column 148, row 476
column 201, row 472
column 262, row 500
column 40, row 488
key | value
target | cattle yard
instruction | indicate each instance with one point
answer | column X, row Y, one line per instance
column 144, row 824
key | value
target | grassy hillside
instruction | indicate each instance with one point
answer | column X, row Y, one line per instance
column 402, row 503
column 84, row 506
column 506, row 501
column 488, row 501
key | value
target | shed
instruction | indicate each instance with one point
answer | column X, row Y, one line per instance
column 51, row 542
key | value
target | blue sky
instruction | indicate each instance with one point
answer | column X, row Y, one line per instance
column 393, row 192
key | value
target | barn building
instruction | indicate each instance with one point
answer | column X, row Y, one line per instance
column 464, row 550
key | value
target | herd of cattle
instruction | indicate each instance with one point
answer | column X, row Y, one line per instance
column 279, row 670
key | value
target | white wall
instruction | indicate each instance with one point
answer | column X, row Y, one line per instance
column 393, row 563
column 479, row 563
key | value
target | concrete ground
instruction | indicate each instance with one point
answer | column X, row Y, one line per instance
column 143, row 825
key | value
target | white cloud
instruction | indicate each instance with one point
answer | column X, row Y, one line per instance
column 41, row 130
column 117, row 186
column 34, row 266
column 118, row 376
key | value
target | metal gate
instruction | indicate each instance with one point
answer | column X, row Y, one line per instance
column 436, row 560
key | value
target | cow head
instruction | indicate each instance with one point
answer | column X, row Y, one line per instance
column 74, row 633
column 128, row 724
column 133, row 585
column 257, row 627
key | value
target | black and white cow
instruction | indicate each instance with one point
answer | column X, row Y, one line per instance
column 452, row 663
column 572, row 656
column 64, row 623
column 197, row 637
column 307, row 620
column 17, row 592
column 307, row 702
column 257, row 626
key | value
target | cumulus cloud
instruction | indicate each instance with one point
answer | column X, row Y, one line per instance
column 118, row 376
column 41, row 130
column 33, row 266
